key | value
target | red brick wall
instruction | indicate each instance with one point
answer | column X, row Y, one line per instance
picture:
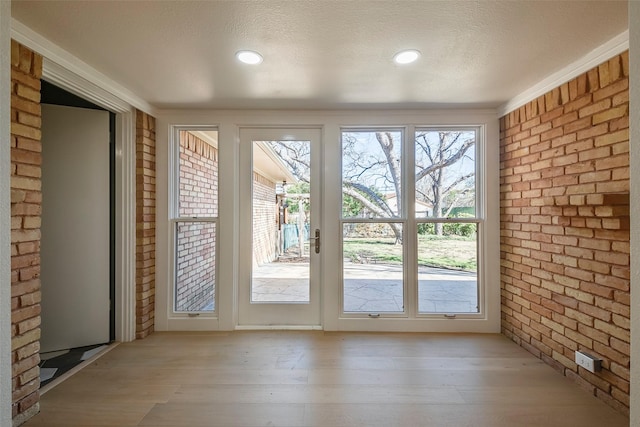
column 265, row 213
column 145, row 223
column 26, row 208
column 195, row 282
column 565, row 227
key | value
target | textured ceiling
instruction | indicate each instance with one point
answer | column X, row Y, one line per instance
column 325, row 54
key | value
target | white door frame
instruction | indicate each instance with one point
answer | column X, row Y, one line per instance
column 125, row 304
column 272, row 314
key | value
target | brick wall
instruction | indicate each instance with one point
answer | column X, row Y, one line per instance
column 565, row 227
column 265, row 211
column 26, row 208
column 145, row 223
column 195, row 282
column 196, row 273
column 198, row 177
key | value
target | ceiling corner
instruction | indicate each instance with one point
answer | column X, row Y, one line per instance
column 597, row 56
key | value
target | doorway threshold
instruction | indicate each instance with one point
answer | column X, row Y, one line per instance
column 84, row 358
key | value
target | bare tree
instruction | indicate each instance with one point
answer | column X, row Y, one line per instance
column 436, row 152
column 369, row 173
column 295, row 155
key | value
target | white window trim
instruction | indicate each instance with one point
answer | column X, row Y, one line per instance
column 229, row 123
column 479, row 219
column 409, row 222
column 175, row 218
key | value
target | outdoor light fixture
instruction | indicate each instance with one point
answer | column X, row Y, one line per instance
column 249, row 57
column 406, row 56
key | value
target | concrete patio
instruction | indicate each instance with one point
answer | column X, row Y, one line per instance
column 372, row 287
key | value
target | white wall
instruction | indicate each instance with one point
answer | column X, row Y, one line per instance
column 634, row 142
column 5, row 215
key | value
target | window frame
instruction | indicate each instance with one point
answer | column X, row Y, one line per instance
column 409, row 221
column 401, row 219
column 478, row 219
column 175, row 219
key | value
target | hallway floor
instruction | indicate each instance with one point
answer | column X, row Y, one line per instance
column 314, row 378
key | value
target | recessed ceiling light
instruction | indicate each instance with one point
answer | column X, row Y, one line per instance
column 406, row 56
column 249, row 57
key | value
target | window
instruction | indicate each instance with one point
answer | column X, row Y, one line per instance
column 373, row 255
column 447, row 224
column 425, row 247
column 195, row 221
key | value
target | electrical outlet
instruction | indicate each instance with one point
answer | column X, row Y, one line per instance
column 588, row 362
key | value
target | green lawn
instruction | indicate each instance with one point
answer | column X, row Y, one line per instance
column 445, row 252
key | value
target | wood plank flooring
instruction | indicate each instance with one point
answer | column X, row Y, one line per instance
column 312, row 378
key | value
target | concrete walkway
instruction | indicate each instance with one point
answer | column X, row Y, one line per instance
column 372, row 288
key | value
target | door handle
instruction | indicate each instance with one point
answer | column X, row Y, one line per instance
column 316, row 241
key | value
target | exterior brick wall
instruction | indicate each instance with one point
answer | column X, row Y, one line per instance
column 565, row 227
column 265, row 211
column 195, row 283
column 26, row 208
column 145, row 223
column 198, row 177
column 196, row 275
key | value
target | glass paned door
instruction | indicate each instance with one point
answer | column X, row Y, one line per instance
column 281, row 221
column 280, row 236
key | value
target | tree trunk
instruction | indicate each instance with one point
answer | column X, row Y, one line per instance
column 436, row 213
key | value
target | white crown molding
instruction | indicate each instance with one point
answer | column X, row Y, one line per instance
column 66, row 79
column 613, row 47
column 61, row 67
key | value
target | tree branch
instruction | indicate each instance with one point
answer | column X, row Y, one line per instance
column 446, row 162
column 373, row 202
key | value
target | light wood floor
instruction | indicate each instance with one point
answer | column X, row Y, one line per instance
column 311, row 378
